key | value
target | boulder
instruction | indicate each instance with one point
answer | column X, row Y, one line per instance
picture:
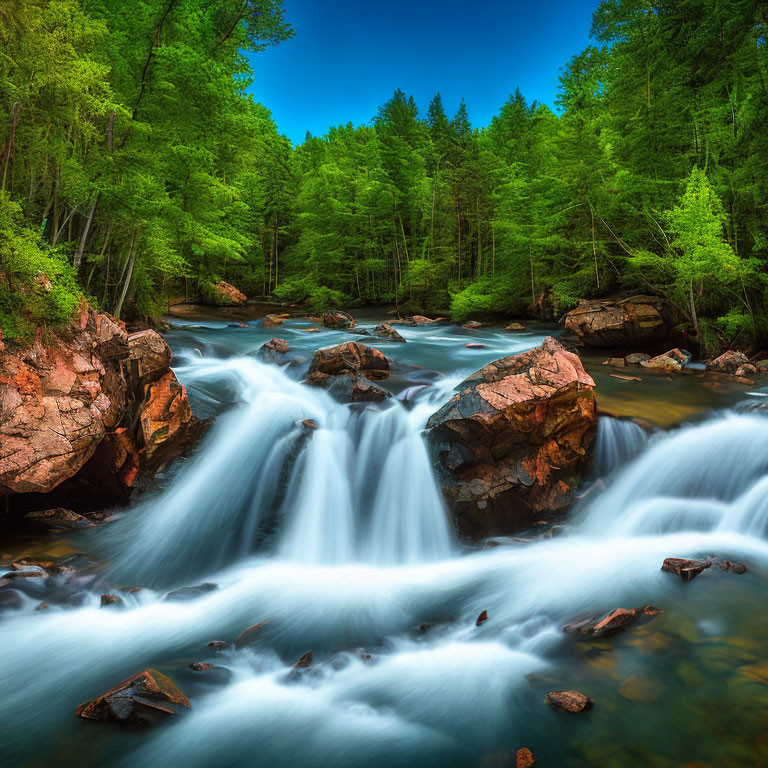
column 338, row 320
column 351, row 357
column 673, row 361
column 511, row 447
column 569, row 701
column 150, row 353
column 386, row 331
column 638, row 321
column 143, row 699
column 227, row 295
column 612, row 623
column 57, row 401
column 348, row 387
column 165, row 414
column 728, row 362
column 473, row 325
column 685, row 569
column 273, row 350
column 422, row 320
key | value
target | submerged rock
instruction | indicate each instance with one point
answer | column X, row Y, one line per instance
column 338, row 320
column 143, row 699
column 612, row 623
column 685, row 569
column 58, row 519
column 515, row 327
column 386, row 331
column 304, row 662
column 248, row 635
column 200, row 666
column 482, row 618
column 111, row 601
column 730, row 567
column 191, row 593
column 673, row 361
column 512, row 445
column 273, row 350
column 524, row 758
column 638, row 321
column 569, row 701
column 347, row 372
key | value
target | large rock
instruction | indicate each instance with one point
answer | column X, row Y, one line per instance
column 143, row 699
column 165, row 414
column 386, row 331
column 351, row 357
column 150, row 354
column 673, row 361
column 339, row 320
column 513, row 444
column 226, row 294
column 57, row 401
column 728, row 362
column 639, row 321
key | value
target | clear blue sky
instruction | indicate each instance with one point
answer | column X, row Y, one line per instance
column 349, row 56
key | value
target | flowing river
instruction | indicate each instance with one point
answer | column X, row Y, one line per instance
column 338, row 539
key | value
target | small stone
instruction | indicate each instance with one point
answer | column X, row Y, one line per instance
column 515, row 327
column 304, row 661
column 482, row 618
column 200, row 666
column 474, row 345
column 42, row 607
column 425, row 627
column 685, row 569
column 218, row 645
column 615, row 362
column 109, row 601
column 473, row 325
column 731, row 567
column 524, row 758
column 309, row 423
column 569, row 701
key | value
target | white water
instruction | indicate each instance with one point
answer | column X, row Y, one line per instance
column 361, row 553
column 618, row 442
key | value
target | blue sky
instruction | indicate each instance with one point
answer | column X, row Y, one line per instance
column 349, row 56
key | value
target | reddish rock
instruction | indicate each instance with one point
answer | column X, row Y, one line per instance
column 218, row 645
column 512, row 446
column 482, row 618
column 57, row 400
column 612, row 623
column 200, row 666
column 338, row 320
column 524, row 758
column 274, row 350
column 730, row 567
column 728, row 362
column 304, row 661
column 747, row 370
column 475, row 345
column 226, row 294
column 639, row 321
column 569, row 701
column 685, row 569
column 273, row 320
column 386, row 331
column 615, row 362
column 165, row 414
column 515, row 327
column 673, row 361
column 247, row 636
column 422, row 320
column 309, row 423
column 473, row 325
column 111, row 601
column 351, row 357
column 143, row 699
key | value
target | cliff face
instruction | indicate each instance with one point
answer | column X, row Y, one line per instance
column 90, row 404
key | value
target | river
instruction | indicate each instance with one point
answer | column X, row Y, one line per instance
column 358, row 551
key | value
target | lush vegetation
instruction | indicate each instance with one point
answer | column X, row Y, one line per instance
column 134, row 168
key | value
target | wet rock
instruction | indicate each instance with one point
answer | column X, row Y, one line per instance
column 338, row 320
column 191, row 593
column 200, row 666
column 423, row 628
column 349, row 388
column 473, row 325
column 273, row 320
column 143, row 699
column 730, row 567
column 728, row 362
column 273, row 351
column 351, row 357
column 638, row 321
column 57, row 400
column 309, row 424
column 10, row 599
column 569, row 701
column 512, row 446
column 475, row 346
column 673, row 361
column 304, row 662
column 524, row 758
column 482, row 618
column 612, row 623
column 57, row 520
column 247, row 636
column 218, row 645
column 615, row 362
column 637, row 358
column 515, row 327
column 685, row 569
column 386, row 331
column 111, row 601
column 42, row 606
column 747, row 370
column 422, row 320
column 225, row 294
column 166, row 413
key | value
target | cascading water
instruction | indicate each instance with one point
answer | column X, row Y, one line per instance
column 618, row 442
column 338, row 537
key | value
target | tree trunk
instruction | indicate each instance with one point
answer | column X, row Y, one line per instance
column 128, row 276
column 86, row 228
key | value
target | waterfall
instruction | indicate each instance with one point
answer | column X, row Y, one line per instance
column 618, row 442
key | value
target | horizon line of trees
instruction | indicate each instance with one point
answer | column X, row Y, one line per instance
column 134, row 168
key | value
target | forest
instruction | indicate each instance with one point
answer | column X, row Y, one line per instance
column 135, row 170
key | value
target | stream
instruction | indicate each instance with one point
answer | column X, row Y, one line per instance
column 338, row 538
